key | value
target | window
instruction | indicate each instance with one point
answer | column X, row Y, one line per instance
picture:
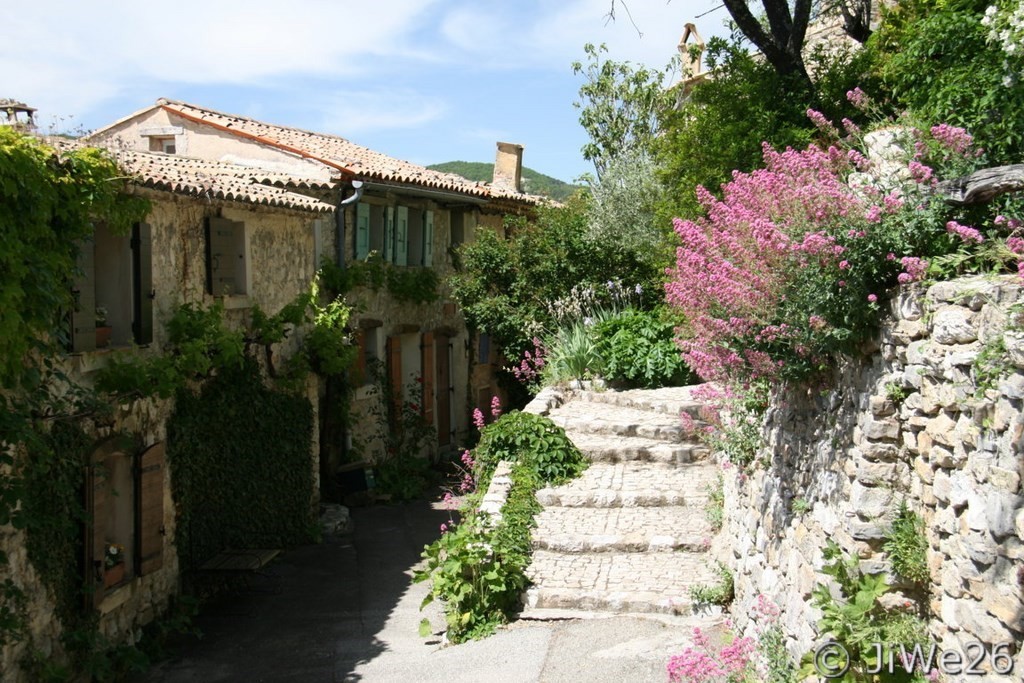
column 400, row 234
column 113, row 291
column 227, row 257
column 124, row 497
column 162, row 144
column 421, row 238
column 368, row 341
column 463, row 225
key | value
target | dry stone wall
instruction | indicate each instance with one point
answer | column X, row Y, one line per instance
column 933, row 417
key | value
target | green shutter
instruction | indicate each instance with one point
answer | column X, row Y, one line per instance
column 402, row 236
column 389, row 234
column 142, row 252
column 362, row 231
column 428, row 238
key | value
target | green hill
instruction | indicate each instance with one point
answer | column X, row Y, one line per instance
column 533, row 182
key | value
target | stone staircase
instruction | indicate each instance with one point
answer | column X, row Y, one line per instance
column 630, row 535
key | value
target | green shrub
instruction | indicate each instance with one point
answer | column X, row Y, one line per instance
column 720, row 593
column 572, row 354
column 856, row 619
column 907, row 546
column 637, row 349
column 530, row 439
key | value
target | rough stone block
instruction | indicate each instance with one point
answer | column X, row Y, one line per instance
column 953, row 325
column 1000, row 512
column 942, row 486
column 941, row 457
column 976, row 620
column 870, row 502
column 940, row 429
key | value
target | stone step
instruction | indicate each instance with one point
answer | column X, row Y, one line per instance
column 633, row 484
column 603, row 418
column 667, row 400
column 589, row 530
column 610, row 448
column 616, row 582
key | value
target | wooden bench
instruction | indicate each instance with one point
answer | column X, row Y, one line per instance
column 240, row 560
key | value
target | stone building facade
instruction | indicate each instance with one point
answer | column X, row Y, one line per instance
column 405, row 215
column 139, row 280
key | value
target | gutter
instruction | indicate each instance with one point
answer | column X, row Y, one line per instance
column 358, row 188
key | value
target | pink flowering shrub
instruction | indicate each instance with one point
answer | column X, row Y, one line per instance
column 709, row 662
column 791, row 263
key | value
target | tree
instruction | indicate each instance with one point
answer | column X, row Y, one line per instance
column 620, row 107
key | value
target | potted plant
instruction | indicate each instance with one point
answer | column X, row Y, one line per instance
column 113, row 564
column 103, row 330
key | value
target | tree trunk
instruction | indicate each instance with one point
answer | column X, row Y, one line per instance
column 983, row 186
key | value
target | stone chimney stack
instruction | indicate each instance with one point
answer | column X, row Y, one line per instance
column 508, row 167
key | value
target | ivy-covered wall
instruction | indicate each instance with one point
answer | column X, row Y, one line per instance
column 241, row 466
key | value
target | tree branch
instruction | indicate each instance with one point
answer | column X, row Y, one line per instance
column 983, row 186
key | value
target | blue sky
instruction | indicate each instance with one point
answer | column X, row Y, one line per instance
column 422, row 80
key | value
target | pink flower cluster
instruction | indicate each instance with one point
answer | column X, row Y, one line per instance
column 478, row 418
column 858, row 98
column 965, row 232
column 822, row 123
column 733, row 266
column 920, row 173
column 706, row 663
column 914, row 269
column 532, row 364
column 468, row 483
column 953, row 138
column 495, row 407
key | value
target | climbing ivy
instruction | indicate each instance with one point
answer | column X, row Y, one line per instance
column 240, row 463
column 405, row 285
column 49, row 201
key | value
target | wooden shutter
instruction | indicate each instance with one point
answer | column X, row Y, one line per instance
column 428, row 238
column 427, row 376
column 96, row 497
column 362, row 230
column 402, row 236
column 394, row 351
column 83, row 316
column 149, row 497
column 444, row 391
column 142, row 283
column 389, row 233
column 224, row 261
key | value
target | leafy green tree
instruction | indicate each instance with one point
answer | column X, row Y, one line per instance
column 506, row 285
column 620, row 105
column 721, row 125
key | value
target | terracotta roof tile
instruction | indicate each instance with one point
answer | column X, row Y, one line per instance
column 346, row 156
column 214, row 179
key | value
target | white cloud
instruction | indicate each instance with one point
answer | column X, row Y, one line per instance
column 57, row 56
column 350, row 113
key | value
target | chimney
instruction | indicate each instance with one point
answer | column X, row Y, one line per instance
column 508, row 167
column 17, row 114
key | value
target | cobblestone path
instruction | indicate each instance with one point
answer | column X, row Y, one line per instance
column 630, row 535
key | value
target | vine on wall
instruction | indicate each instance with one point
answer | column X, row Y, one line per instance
column 239, row 457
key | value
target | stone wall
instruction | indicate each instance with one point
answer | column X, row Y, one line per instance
column 909, row 422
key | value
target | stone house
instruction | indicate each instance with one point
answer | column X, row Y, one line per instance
column 404, row 216
column 137, row 280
